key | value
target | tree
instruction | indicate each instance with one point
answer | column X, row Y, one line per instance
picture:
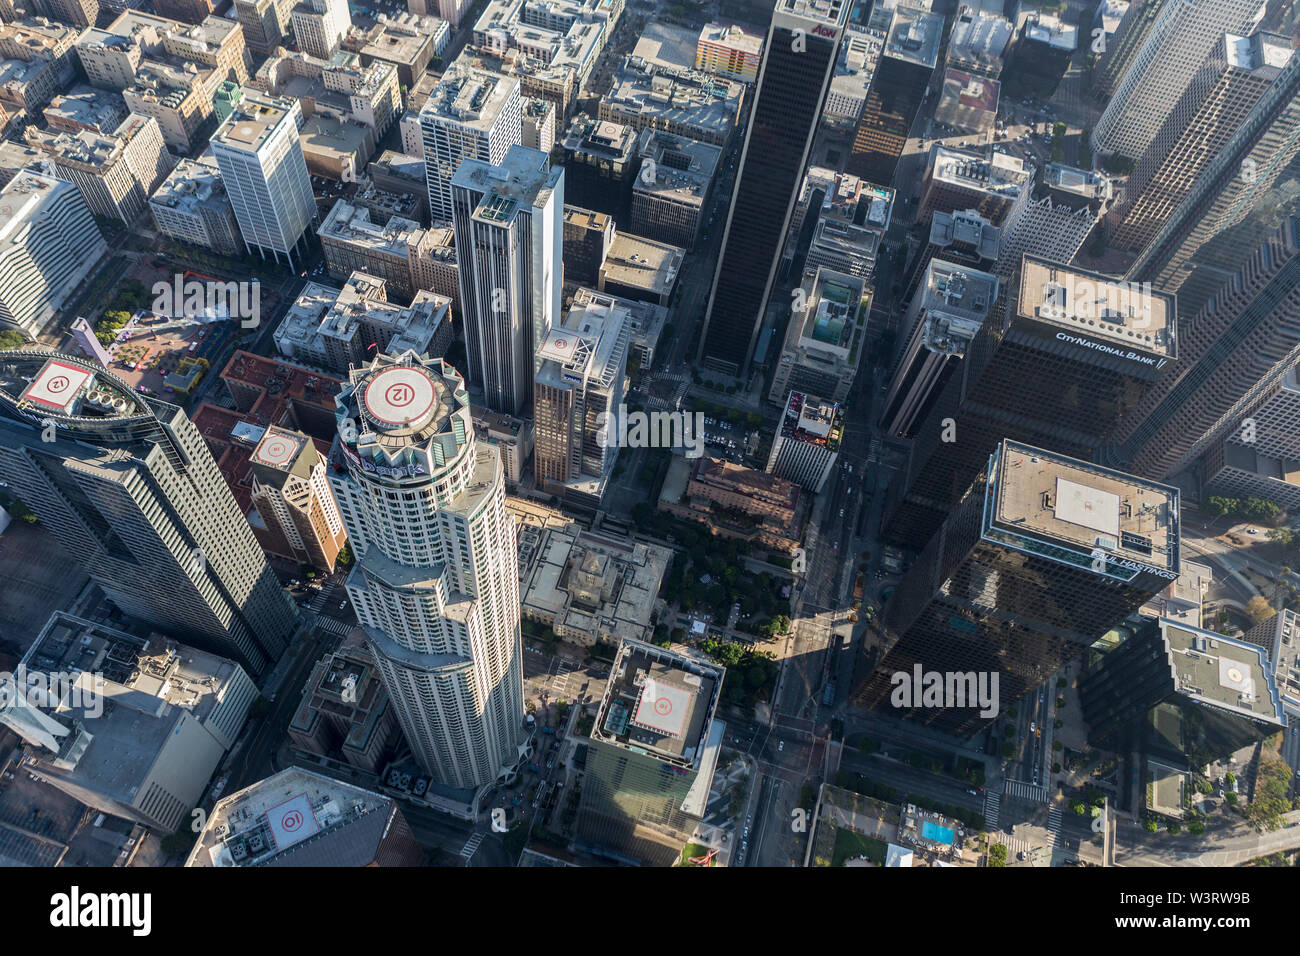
column 345, row 554
column 1259, row 609
column 1284, row 538
column 998, row 854
column 12, row 339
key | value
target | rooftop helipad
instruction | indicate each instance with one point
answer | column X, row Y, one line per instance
column 400, row 397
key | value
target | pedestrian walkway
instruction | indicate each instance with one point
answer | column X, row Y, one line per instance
column 471, row 845
column 332, row 625
column 1054, row 821
column 992, row 805
column 1026, row 791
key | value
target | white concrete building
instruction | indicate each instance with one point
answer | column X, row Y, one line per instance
column 471, row 114
column 436, row 581
column 262, row 165
column 49, row 245
column 1177, row 45
column 511, row 216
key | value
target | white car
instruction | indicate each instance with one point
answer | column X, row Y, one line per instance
column 780, row 745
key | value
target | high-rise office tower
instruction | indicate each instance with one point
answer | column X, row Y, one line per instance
column 1260, row 456
column 1176, row 46
column 509, row 226
column 472, row 113
column 798, row 60
column 994, row 186
column 1242, row 341
column 651, row 756
column 1181, row 693
column 436, row 581
column 1067, row 359
column 1241, row 196
column 1123, row 47
column 319, row 26
column 962, row 238
column 1216, row 103
column 581, row 368
column 1041, row 556
column 824, row 341
column 950, row 305
column 265, row 174
column 128, row 486
column 898, row 88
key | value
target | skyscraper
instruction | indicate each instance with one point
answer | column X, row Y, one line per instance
column 1216, row 103
column 509, row 226
column 1242, row 341
column 1242, row 195
column 576, row 393
column 950, row 306
column 472, row 113
column 1069, row 357
column 265, row 174
column 436, row 582
column 652, row 754
column 898, row 88
column 1176, row 46
column 1041, row 556
column 128, row 486
column 798, row 59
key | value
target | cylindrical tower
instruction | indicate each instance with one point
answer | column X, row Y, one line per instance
column 436, row 581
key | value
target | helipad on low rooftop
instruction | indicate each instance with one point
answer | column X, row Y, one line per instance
column 663, row 707
column 278, row 449
column 400, row 397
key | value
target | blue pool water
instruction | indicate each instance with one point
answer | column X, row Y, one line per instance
column 932, row 831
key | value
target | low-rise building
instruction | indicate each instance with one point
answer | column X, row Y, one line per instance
column 589, row 587
column 83, row 108
column 151, row 723
column 116, row 172
column 337, row 328
column 641, row 269
column 855, row 68
column 354, row 242
column 690, row 103
column 728, row 50
column 434, row 266
column 301, row 818
column 538, row 125
column 600, row 160
column 407, row 41
column 294, row 514
column 968, row 102
column 733, row 501
column 672, row 188
column 192, row 206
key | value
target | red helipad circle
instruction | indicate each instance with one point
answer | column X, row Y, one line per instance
column 291, row 821
column 57, row 384
column 276, row 449
column 663, row 706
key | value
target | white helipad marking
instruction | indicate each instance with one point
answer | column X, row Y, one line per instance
column 399, row 396
column 57, row 385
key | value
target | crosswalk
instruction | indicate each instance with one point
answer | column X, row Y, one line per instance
column 561, row 683
column 1054, row 822
column 1026, row 791
column 471, row 845
column 992, row 804
column 332, row 625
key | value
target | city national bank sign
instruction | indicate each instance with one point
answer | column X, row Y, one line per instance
column 1130, row 355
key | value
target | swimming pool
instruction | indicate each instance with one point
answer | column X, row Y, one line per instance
column 932, row 831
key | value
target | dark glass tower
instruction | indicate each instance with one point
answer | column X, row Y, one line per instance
column 1071, row 355
column 798, row 59
column 1041, row 557
column 897, row 91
